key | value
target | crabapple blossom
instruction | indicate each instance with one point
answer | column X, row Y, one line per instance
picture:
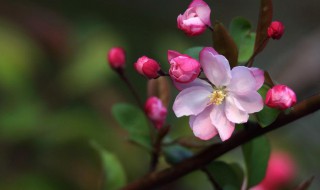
column 147, row 67
column 280, row 97
column 156, row 111
column 195, row 19
column 275, row 30
column 116, row 57
column 183, row 68
column 215, row 107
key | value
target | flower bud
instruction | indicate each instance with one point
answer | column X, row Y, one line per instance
column 116, row 58
column 183, row 68
column 280, row 97
column 275, row 30
column 147, row 67
column 195, row 19
column 280, row 171
column 156, row 111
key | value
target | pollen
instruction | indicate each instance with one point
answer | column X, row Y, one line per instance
column 217, row 96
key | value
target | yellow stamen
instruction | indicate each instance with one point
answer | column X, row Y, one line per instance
column 217, row 96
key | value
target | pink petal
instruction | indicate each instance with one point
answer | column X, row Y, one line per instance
column 196, row 82
column 203, row 13
column 242, row 80
column 191, row 101
column 233, row 113
column 220, row 121
column 202, row 126
column 215, row 67
column 251, row 102
column 173, row 54
column 196, row 3
column 258, row 74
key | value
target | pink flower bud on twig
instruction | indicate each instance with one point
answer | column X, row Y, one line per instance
column 183, row 68
column 116, row 58
column 280, row 97
column 195, row 19
column 156, row 111
column 275, row 30
column 147, row 67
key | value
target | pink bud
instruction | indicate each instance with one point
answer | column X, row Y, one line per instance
column 280, row 171
column 281, row 97
column 195, row 19
column 156, row 111
column 275, row 30
column 147, row 67
column 183, row 68
column 116, row 58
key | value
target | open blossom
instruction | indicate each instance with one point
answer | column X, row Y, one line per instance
column 229, row 98
column 147, row 67
column 275, row 30
column 183, row 68
column 116, row 57
column 195, row 19
column 156, row 111
column 280, row 171
column 280, row 97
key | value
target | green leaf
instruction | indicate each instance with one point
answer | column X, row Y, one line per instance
column 239, row 27
column 114, row 173
column 267, row 115
column 175, row 154
column 224, row 44
column 226, row 175
column 256, row 155
column 134, row 121
column 194, row 52
column 240, row 30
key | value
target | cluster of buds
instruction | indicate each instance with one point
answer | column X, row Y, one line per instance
column 185, row 70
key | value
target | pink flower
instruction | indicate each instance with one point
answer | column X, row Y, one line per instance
column 183, row 68
column 229, row 98
column 275, row 30
column 280, row 171
column 156, row 111
column 147, row 67
column 195, row 19
column 280, row 97
column 116, row 58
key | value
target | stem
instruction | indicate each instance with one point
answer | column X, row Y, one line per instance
column 210, row 28
column 130, row 86
column 157, row 147
column 196, row 162
column 212, row 180
column 256, row 52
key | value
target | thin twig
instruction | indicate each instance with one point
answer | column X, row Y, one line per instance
column 157, row 147
column 211, row 178
column 131, row 88
column 163, row 177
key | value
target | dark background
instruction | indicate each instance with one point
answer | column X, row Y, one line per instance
column 56, row 90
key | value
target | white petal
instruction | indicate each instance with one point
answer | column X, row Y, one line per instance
column 202, row 126
column 203, row 13
column 215, row 67
column 191, row 101
column 251, row 102
column 258, row 74
column 242, row 80
column 195, row 82
column 220, row 121
column 233, row 113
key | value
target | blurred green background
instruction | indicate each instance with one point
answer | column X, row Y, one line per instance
column 56, row 89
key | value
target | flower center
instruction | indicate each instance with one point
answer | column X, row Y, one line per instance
column 217, row 96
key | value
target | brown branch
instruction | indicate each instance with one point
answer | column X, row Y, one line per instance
column 157, row 147
column 163, row 177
